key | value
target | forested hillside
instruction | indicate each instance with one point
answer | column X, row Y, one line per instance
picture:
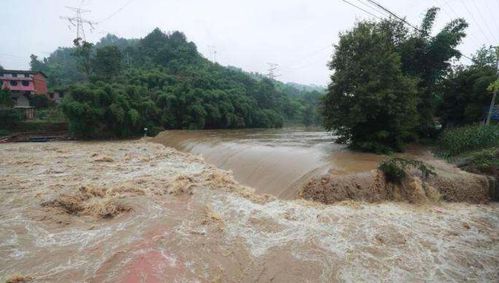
column 119, row 86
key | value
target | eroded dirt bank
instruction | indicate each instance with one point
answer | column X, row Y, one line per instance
column 131, row 211
column 449, row 184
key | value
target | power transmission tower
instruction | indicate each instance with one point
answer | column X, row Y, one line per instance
column 493, row 101
column 213, row 53
column 79, row 22
column 272, row 72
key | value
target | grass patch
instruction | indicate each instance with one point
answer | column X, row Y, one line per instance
column 469, row 138
column 483, row 161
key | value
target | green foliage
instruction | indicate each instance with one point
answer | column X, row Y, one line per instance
column 468, row 138
column 395, row 169
column 494, row 86
column 5, row 100
column 370, row 104
column 465, row 90
column 61, row 67
column 4, row 132
column 107, row 62
column 10, row 118
column 486, row 160
column 384, row 89
column 103, row 110
column 52, row 114
column 83, row 55
column 161, row 81
column 428, row 59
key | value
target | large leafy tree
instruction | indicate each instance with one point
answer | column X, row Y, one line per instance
column 83, row 54
column 370, row 103
column 421, row 62
column 428, row 58
column 108, row 62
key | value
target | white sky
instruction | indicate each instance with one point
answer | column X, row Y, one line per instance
column 296, row 34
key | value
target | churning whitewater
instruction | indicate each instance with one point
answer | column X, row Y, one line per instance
column 139, row 211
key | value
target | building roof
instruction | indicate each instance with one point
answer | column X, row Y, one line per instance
column 21, row 72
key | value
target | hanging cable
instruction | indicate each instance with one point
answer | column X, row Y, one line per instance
column 365, row 11
column 476, row 22
column 117, row 11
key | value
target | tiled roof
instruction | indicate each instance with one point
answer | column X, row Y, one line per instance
column 20, row 72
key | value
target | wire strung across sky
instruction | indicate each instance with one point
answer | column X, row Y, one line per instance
column 403, row 20
column 116, row 12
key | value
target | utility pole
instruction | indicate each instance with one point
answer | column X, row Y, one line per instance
column 272, row 74
column 78, row 21
column 493, row 101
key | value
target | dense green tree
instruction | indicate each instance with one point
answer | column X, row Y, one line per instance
column 465, row 91
column 107, row 63
column 370, row 104
column 83, row 55
column 37, row 65
column 5, row 100
column 185, row 90
column 103, row 110
column 411, row 65
column 427, row 58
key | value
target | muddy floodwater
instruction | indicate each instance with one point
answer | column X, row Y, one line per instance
column 141, row 212
column 273, row 161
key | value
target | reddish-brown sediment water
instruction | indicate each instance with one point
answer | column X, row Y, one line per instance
column 273, row 161
column 142, row 212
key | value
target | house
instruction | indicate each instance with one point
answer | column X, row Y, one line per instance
column 23, row 85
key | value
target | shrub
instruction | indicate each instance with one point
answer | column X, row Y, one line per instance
column 4, row 132
column 9, row 118
column 485, row 161
column 40, row 101
column 474, row 137
column 51, row 114
column 395, row 168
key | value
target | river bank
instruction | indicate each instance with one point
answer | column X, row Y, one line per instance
column 129, row 211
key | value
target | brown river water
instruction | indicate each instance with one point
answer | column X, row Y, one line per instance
column 273, row 161
column 136, row 211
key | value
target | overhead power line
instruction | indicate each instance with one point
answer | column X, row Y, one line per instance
column 476, row 22
column 117, row 11
column 393, row 14
column 484, row 20
column 369, row 6
column 365, row 11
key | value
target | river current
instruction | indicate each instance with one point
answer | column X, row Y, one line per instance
column 273, row 161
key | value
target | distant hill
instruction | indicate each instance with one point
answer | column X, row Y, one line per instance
column 307, row 88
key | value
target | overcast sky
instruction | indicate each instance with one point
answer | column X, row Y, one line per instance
column 296, row 34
